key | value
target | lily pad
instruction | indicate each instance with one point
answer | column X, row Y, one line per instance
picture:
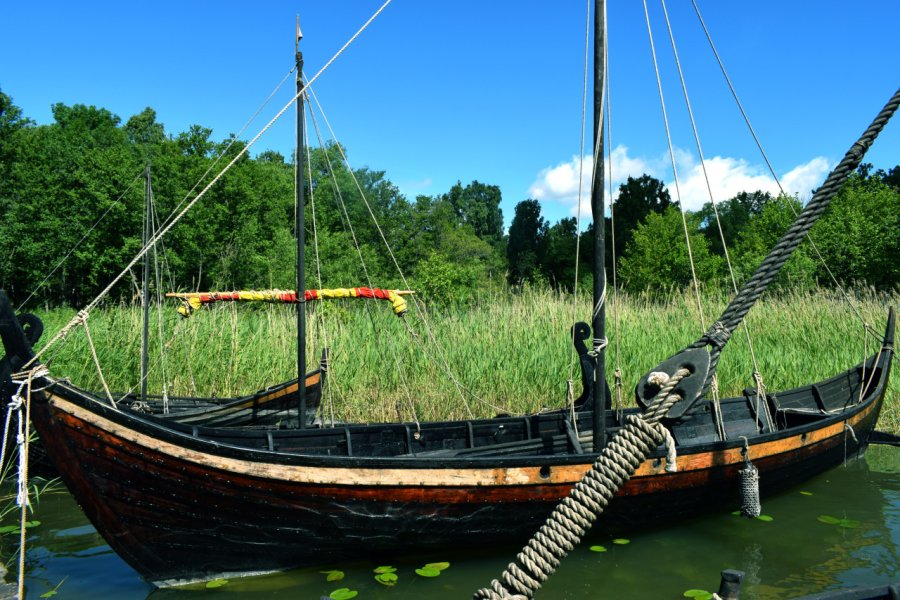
column 216, row 583
column 597, row 548
column 806, row 493
column 828, row 520
column 388, row 579
column 343, row 594
column 621, row 541
column 698, row 594
column 427, row 572
column 440, row 566
column 385, row 569
column 333, row 575
column 765, row 518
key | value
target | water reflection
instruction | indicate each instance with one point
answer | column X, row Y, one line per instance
column 792, row 555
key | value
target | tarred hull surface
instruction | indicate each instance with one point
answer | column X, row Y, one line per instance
column 180, row 509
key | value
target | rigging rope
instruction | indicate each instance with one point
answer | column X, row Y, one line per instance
column 165, row 229
column 687, row 237
column 570, row 397
column 756, row 372
column 740, row 106
column 420, row 311
column 720, row 331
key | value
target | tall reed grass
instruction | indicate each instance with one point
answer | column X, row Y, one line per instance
column 502, row 353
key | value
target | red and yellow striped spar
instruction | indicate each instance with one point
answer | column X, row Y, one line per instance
column 194, row 300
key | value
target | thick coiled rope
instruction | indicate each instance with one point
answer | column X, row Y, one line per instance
column 575, row 514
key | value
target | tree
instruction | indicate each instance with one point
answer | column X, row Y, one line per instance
column 637, row 199
column 657, row 257
column 857, row 235
column 761, row 234
column 478, row 205
column 525, row 247
column 558, row 264
column 734, row 214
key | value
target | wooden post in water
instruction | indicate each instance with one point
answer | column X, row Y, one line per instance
column 598, row 321
column 300, row 229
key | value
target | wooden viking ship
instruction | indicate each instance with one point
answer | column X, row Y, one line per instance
column 182, row 503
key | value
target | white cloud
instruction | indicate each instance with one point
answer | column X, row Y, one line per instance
column 559, row 184
column 802, row 180
column 727, row 177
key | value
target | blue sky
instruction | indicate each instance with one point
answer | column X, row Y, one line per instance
column 435, row 92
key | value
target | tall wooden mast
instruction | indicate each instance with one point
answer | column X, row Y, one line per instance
column 598, row 321
column 145, row 296
column 300, row 229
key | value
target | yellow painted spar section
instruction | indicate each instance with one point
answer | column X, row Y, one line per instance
column 442, row 477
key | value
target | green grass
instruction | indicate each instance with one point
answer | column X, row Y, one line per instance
column 509, row 353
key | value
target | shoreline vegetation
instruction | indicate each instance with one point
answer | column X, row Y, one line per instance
column 500, row 352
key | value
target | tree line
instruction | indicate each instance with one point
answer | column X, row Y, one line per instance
column 72, row 199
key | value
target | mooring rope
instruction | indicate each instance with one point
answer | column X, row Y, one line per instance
column 575, row 514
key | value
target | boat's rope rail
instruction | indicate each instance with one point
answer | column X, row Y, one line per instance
column 574, row 516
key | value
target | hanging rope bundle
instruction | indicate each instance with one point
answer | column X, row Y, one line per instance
column 750, row 504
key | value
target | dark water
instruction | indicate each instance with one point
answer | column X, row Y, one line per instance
column 792, row 555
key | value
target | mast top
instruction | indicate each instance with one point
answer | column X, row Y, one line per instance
column 299, row 33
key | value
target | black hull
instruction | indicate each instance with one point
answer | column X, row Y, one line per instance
column 181, row 508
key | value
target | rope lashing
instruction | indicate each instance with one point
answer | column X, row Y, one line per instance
column 764, row 275
column 576, row 513
column 750, row 505
column 598, row 345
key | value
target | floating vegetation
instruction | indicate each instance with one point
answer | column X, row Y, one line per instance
column 597, row 548
column 51, row 593
column 343, row 594
column 386, row 575
column 765, row 518
column 621, row 541
column 333, row 575
column 15, row 528
column 432, row 569
column 844, row 523
column 698, row 594
column 805, row 493
column 216, row 583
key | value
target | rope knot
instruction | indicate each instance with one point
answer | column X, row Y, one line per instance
column 717, row 335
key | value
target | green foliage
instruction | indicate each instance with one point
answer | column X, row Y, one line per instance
column 733, row 216
column 525, row 248
column 478, row 205
column 657, row 257
column 637, row 199
column 858, row 234
column 73, row 189
column 343, row 594
column 762, row 233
